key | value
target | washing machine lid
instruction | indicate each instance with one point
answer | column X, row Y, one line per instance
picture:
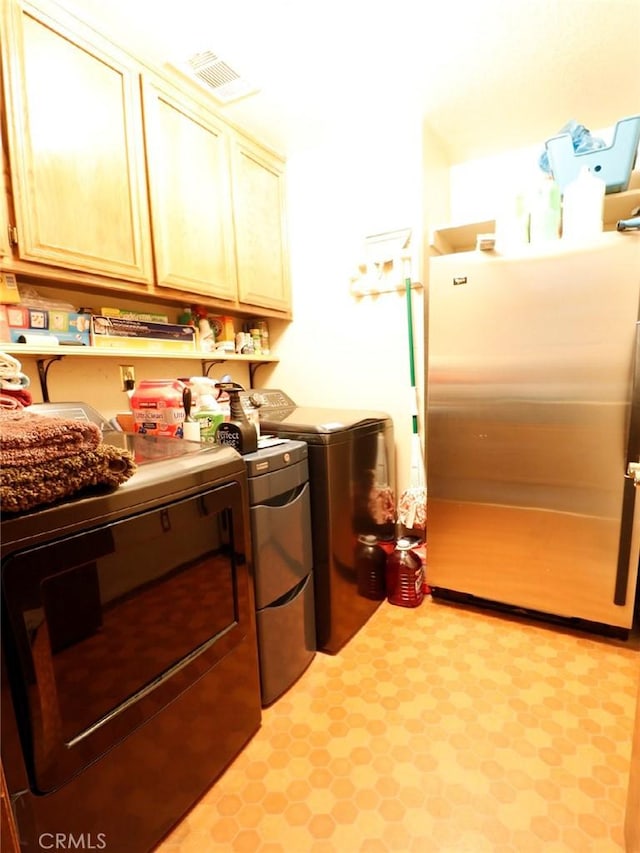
column 318, row 420
column 281, row 416
column 320, row 426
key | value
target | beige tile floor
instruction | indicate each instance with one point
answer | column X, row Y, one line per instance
column 435, row 729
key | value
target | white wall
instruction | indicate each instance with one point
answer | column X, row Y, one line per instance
column 343, row 351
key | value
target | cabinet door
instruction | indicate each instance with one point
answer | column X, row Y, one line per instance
column 259, row 218
column 188, row 165
column 75, row 147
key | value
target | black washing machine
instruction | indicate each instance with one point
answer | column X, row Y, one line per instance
column 352, row 490
column 279, row 502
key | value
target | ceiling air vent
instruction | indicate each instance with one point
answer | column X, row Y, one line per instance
column 218, row 77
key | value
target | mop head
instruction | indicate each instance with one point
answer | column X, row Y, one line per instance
column 381, row 504
column 412, row 508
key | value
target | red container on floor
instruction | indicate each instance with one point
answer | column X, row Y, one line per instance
column 404, row 576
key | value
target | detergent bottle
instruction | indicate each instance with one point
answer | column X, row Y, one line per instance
column 238, row 432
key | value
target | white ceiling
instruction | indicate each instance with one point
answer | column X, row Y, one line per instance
column 489, row 75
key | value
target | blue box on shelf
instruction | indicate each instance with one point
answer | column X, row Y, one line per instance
column 612, row 164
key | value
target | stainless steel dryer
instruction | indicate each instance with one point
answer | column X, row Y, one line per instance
column 352, row 488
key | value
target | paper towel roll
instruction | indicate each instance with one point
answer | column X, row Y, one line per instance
column 39, row 340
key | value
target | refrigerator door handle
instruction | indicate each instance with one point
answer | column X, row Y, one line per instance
column 632, row 479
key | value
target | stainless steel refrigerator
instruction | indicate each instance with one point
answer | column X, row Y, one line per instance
column 532, row 420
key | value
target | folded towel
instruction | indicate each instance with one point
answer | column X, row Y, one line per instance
column 30, row 439
column 15, row 399
column 24, row 487
column 11, row 375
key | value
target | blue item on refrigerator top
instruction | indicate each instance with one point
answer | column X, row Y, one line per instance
column 613, row 164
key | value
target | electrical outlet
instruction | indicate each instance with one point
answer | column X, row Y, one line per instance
column 127, row 377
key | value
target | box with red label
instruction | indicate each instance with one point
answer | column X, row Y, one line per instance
column 17, row 316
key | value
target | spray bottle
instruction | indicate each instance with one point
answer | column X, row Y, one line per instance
column 238, row 432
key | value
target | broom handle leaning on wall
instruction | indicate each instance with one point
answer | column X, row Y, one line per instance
column 412, row 367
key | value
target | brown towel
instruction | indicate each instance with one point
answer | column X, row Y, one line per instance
column 29, row 439
column 25, row 487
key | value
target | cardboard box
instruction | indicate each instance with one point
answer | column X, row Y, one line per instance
column 118, row 333
column 9, row 288
column 66, row 321
column 5, row 334
column 143, row 316
column 79, row 338
column 223, row 329
column 38, row 318
column 17, row 316
column 52, row 320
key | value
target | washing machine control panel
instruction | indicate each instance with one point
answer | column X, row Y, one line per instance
column 272, row 404
column 267, row 399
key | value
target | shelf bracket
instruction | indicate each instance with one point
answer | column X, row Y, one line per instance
column 253, row 366
column 43, row 369
column 207, row 364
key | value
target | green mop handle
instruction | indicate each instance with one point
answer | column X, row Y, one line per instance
column 412, row 367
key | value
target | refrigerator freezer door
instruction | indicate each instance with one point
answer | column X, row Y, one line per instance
column 530, row 370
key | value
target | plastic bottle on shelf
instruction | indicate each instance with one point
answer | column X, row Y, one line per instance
column 512, row 223
column 545, row 212
column 583, row 206
column 263, row 326
column 207, row 340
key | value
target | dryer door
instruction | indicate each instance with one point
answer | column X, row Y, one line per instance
column 107, row 627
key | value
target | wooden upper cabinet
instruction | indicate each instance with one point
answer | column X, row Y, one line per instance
column 260, row 228
column 188, row 165
column 76, row 149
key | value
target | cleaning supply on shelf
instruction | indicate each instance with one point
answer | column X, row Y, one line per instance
column 207, row 412
column 583, row 206
column 190, row 427
column 238, row 432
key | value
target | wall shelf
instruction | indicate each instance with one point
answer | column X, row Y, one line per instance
column 46, row 356
column 459, row 238
column 462, row 238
